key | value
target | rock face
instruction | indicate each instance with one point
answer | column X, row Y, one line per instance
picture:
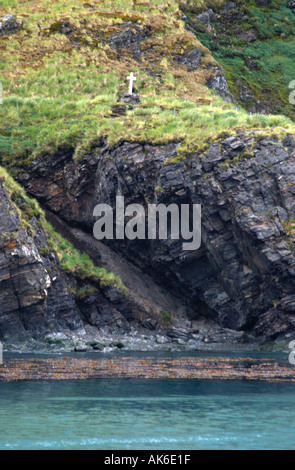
column 128, row 37
column 191, row 60
column 39, row 301
column 219, row 84
column 8, row 25
column 35, row 297
column 243, row 276
column 129, row 99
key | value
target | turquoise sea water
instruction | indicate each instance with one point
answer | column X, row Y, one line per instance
column 147, row 414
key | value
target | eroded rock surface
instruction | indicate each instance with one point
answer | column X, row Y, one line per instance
column 35, row 296
column 242, row 277
column 8, row 25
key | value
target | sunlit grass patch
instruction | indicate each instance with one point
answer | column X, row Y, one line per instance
column 59, row 94
column 38, row 125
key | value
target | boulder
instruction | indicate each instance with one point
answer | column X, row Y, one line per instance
column 191, row 60
column 218, row 83
column 118, row 344
column 8, row 25
column 131, row 99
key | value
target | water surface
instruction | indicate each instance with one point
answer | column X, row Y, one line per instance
column 136, row 414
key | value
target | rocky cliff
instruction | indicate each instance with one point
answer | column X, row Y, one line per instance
column 70, row 146
column 243, row 275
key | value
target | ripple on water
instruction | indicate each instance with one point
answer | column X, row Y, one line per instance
column 146, row 414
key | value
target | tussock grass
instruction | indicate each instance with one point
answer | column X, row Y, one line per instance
column 199, row 6
column 77, row 123
column 80, row 265
column 257, row 51
column 56, row 85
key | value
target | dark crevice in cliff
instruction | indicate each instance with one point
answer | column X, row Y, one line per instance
column 243, row 275
column 146, row 297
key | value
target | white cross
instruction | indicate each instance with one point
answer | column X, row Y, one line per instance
column 132, row 78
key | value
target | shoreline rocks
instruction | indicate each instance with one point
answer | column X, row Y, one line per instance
column 188, row 368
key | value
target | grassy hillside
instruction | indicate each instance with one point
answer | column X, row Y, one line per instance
column 65, row 66
column 256, row 46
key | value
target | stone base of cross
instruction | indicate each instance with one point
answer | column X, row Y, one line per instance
column 131, row 79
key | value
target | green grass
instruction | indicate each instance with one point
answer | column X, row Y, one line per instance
column 271, row 56
column 76, row 124
column 166, row 318
column 26, row 207
column 85, row 292
column 199, row 6
column 80, row 265
column 54, row 91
